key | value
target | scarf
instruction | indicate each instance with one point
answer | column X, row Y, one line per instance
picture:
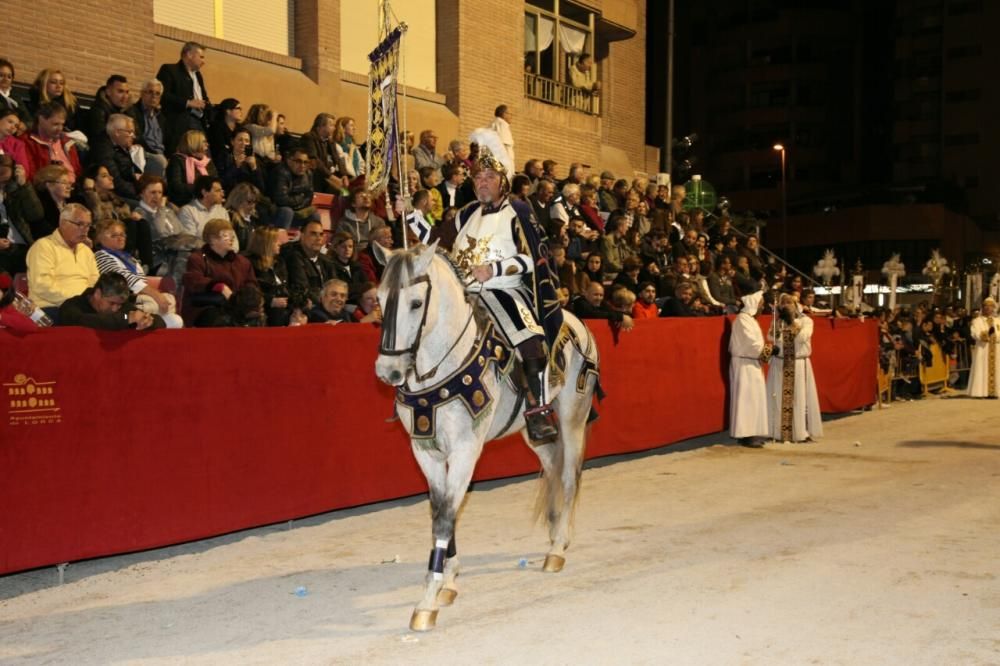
column 192, row 164
column 123, row 257
column 346, row 145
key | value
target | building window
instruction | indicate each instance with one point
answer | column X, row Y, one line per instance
column 968, row 51
column 556, row 34
column 965, row 7
column 967, row 139
column 769, row 94
column 970, row 95
column 263, row 24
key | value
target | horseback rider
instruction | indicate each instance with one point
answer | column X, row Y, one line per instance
column 498, row 247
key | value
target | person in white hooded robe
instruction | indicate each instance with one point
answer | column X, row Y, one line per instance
column 983, row 376
column 793, row 402
column 748, row 417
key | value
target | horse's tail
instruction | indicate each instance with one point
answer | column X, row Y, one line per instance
column 549, row 502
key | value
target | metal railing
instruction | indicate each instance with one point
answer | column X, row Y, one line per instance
column 561, row 94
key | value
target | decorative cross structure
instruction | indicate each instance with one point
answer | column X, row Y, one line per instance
column 936, row 268
column 894, row 270
column 826, row 268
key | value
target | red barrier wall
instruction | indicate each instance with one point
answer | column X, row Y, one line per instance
column 138, row 440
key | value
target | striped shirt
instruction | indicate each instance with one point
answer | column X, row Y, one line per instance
column 109, row 263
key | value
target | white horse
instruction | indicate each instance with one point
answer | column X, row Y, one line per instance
column 455, row 392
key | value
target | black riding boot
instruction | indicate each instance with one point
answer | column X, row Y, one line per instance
column 541, row 419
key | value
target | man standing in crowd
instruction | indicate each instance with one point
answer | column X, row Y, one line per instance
column 985, row 359
column 793, row 405
column 501, row 125
column 747, row 388
column 106, row 306
column 61, row 265
column 185, row 99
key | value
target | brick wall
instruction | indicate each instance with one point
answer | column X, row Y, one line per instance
column 624, row 74
column 87, row 39
column 479, row 47
column 479, row 67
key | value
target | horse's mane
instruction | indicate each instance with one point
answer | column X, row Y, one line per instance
column 401, row 265
column 394, row 271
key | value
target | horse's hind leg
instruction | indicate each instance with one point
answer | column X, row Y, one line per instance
column 561, row 464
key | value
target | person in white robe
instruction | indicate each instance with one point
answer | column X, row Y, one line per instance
column 501, row 125
column 985, row 356
column 748, row 392
column 793, row 402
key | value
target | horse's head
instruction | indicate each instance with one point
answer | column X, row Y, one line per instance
column 404, row 295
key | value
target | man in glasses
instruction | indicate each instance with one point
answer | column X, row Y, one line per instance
column 62, row 265
column 151, row 126
column 291, row 190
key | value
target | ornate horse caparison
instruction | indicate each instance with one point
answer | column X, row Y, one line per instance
column 455, row 392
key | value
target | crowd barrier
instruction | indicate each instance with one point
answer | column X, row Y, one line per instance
column 118, row 442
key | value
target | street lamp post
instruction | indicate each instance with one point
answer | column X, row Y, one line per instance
column 784, row 203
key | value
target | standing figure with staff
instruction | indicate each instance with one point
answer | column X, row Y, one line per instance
column 793, row 403
column 985, row 359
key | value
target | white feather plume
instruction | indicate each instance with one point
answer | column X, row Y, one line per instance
column 489, row 140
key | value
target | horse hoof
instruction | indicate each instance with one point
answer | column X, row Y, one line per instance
column 553, row 563
column 446, row 596
column 423, row 620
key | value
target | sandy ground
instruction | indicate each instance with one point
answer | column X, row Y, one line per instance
column 878, row 545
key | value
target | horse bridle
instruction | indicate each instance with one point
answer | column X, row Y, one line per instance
column 387, row 347
column 389, row 329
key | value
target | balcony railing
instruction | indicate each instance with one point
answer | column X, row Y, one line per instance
column 561, row 94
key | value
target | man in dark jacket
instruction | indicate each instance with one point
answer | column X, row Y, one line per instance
column 330, row 309
column 291, row 190
column 308, row 267
column 113, row 97
column 113, row 150
column 185, row 99
column 318, row 144
column 106, row 306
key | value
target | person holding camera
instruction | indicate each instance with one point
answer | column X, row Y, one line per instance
column 985, row 359
column 239, row 165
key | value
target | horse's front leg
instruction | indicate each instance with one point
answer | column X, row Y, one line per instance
column 448, row 480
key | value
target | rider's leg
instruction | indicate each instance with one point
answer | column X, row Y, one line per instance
column 540, row 417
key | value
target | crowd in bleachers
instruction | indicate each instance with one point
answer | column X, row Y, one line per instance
column 212, row 216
